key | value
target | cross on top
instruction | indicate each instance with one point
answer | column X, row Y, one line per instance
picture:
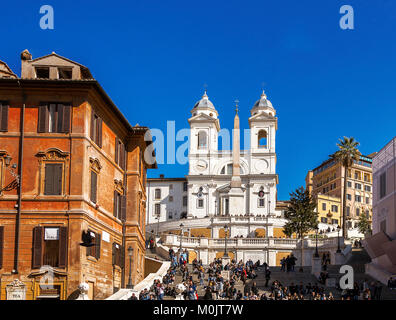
column 236, row 105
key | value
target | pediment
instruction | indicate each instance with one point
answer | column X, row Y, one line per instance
column 5, row 71
column 262, row 116
column 202, row 117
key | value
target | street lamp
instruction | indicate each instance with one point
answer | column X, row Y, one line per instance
column 316, row 255
column 158, row 219
column 130, row 254
column 181, row 238
column 338, row 238
column 225, row 241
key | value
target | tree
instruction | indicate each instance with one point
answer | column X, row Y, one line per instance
column 347, row 154
column 364, row 224
column 301, row 216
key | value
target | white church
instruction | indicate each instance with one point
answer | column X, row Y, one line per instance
column 227, row 193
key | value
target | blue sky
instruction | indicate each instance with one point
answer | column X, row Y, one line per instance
column 154, row 57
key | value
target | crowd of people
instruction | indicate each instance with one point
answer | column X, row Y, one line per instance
column 214, row 286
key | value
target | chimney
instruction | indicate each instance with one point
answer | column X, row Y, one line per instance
column 162, row 176
column 26, row 57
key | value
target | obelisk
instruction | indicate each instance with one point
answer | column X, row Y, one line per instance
column 236, row 195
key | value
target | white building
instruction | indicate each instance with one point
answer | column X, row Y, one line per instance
column 225, row 190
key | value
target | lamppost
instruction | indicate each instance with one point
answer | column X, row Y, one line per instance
column 338, row 239
column 225, row 241
column 130, row 254
column 158, row 219
column 316, row 255
column 181, row 239
column 215, row 208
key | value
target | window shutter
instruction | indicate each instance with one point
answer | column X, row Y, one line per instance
column 1, row 245
column 122, row 156
column 66, row 119
column 60, row 117
column 58, row 179
column 116, row 150
column 49, row 179
column 97, row 243
column 119, row 256
column 94, row 183
column 115, row 210
column 113, row 254
column 37, row 247
column 54, row 122
column 42, row 119
column 92, row 126
column 62, row 247
column 123, row 208
column 99, row 139
column 4, row 118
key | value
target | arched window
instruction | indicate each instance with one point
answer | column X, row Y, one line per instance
column 202, row 140
column 227, row 169
column 262, row 139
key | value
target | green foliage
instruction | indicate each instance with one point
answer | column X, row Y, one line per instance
column 348, row 151
column 301, row 214
column 364, row 224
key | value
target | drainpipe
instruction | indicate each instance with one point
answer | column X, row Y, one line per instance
column 20, row 167
column 124, row 222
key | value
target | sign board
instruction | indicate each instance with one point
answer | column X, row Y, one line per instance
column 105, row 236
column 16, row 290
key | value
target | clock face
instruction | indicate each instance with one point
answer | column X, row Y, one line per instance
column 201, row 165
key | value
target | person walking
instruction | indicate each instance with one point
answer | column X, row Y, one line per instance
column 267, row 276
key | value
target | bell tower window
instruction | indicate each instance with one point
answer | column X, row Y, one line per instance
column 262, row 139
column 202, row 140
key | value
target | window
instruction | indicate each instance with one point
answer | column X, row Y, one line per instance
column 357, row 175
column 366, row 177
column 53, row 179
column 170, row 199
column 367, row 214
column 348, row 211
column 358, row 186
column 227, row 206
column 357, row 211
column 171, row 187
column 323, row 219
column 170, row 215
column 358, row 198
column 117, row 254
column 323, row 206
column 49, row 247
column 261, row 203
column 334, row 208
column 42, row 72
column 334, row 221
column 119, row 210
column 202, row 140
column 200, row 203
column 262, row 139
column 157, row 194
column 367, row 200
column 64, row 73
column 94, row 186
column 157, row 209
column 96, row 129
column 185, row 201
column 185, row 186
column 227, row 169
column 54, row 117
column 94, row 251
column 349, row 196
column 382, row 187
column 349, row 183
column 119, row 155
column 3, row 117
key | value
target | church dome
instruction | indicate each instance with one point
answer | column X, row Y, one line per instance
column 204, row 103
column 263, row 104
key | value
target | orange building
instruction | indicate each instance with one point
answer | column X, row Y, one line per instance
column 70, row 163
